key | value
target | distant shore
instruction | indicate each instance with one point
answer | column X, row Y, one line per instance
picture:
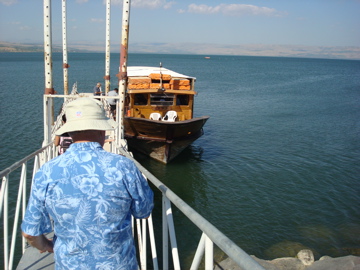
column 347, row 53
column 18, row 47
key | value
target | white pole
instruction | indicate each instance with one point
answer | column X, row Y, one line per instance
column 65, row 60
column 48, row 47
column 165, row 234
column 199, row 253
column 209, row 253
column 107, row 53
column 5, row 187
column 152, row 243
column 123, row 65
column 48, row 71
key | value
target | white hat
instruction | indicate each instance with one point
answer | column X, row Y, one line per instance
column 85, row 114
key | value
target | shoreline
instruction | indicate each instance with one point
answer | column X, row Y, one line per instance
column 304, row 260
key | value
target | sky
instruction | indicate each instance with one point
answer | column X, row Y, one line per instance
column 228, row 22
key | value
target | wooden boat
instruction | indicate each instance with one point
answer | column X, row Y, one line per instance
column 159, row 108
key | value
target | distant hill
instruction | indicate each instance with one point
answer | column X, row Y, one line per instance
column 326, row 52
column 18, row 47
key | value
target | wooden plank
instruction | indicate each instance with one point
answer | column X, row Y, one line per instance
column 139, row 86
column 138, row 80
column 178, row 82
column 157, row 85
column 158, row 76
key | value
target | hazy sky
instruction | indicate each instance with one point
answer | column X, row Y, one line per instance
column 284, row 22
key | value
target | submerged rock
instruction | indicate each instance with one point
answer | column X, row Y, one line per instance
column 306, row 256
column 342, row 263
column 284, row 249
column 305, row 261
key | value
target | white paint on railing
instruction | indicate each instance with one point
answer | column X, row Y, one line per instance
column 199, row 253
column 5, row 186
column 165, row 236
column 209, row 253
column 171, row 229
column 152, row 244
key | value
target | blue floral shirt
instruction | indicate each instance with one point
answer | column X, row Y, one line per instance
column 90, row 194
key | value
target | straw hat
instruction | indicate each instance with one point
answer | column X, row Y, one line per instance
column 85, row 114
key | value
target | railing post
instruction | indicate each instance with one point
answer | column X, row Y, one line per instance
column 17, row 211
column 5, row 186
column 209, row 253
column 165, row 235
column 2, row 192
column 24, row 202
column 152, row 243
column 144, row 255
column 171, row 230
column 141, row 239
column 199, row 253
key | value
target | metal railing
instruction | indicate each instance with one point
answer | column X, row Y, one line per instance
column 210, row 234
column 39, row 157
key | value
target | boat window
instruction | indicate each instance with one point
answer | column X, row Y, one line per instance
column 162, row 99
column 140, row 99
column 182, row 100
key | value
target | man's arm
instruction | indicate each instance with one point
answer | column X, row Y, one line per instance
column 40, row 242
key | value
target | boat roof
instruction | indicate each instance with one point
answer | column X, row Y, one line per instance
column 143, row 71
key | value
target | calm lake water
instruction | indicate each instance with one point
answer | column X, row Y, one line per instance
column 278, row 165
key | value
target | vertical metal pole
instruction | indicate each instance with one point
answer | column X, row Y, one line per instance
column 48, row 70
column 46, row 111
column 152, row 243
column 165, row 234
column 172, row 234
column 65, row 60
column 48, row 48
column 123, row 64
column 199, row 253
column 107, row 54
column 16, row 216
column 24, row 201
column 5, row 186
column 144, row 254
column 209, row 253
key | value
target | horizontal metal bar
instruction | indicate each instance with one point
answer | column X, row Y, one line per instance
column 22, row 161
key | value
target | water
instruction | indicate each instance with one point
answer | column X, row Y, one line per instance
column 280, row 159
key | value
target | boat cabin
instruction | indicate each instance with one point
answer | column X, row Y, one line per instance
column 154, row 93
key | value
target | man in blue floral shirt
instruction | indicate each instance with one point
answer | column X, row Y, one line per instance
column 90, row 195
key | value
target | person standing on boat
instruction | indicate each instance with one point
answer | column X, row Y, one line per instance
column 89, row 194
column 112, row 101
column 97, row 90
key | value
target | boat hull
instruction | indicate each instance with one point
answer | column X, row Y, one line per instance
column 162, row 140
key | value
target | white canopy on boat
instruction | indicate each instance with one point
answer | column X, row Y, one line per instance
column 142, row 71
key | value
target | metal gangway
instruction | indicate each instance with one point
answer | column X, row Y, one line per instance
column 143, row 229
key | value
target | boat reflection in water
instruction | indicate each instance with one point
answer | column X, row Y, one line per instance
column 159, row 108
